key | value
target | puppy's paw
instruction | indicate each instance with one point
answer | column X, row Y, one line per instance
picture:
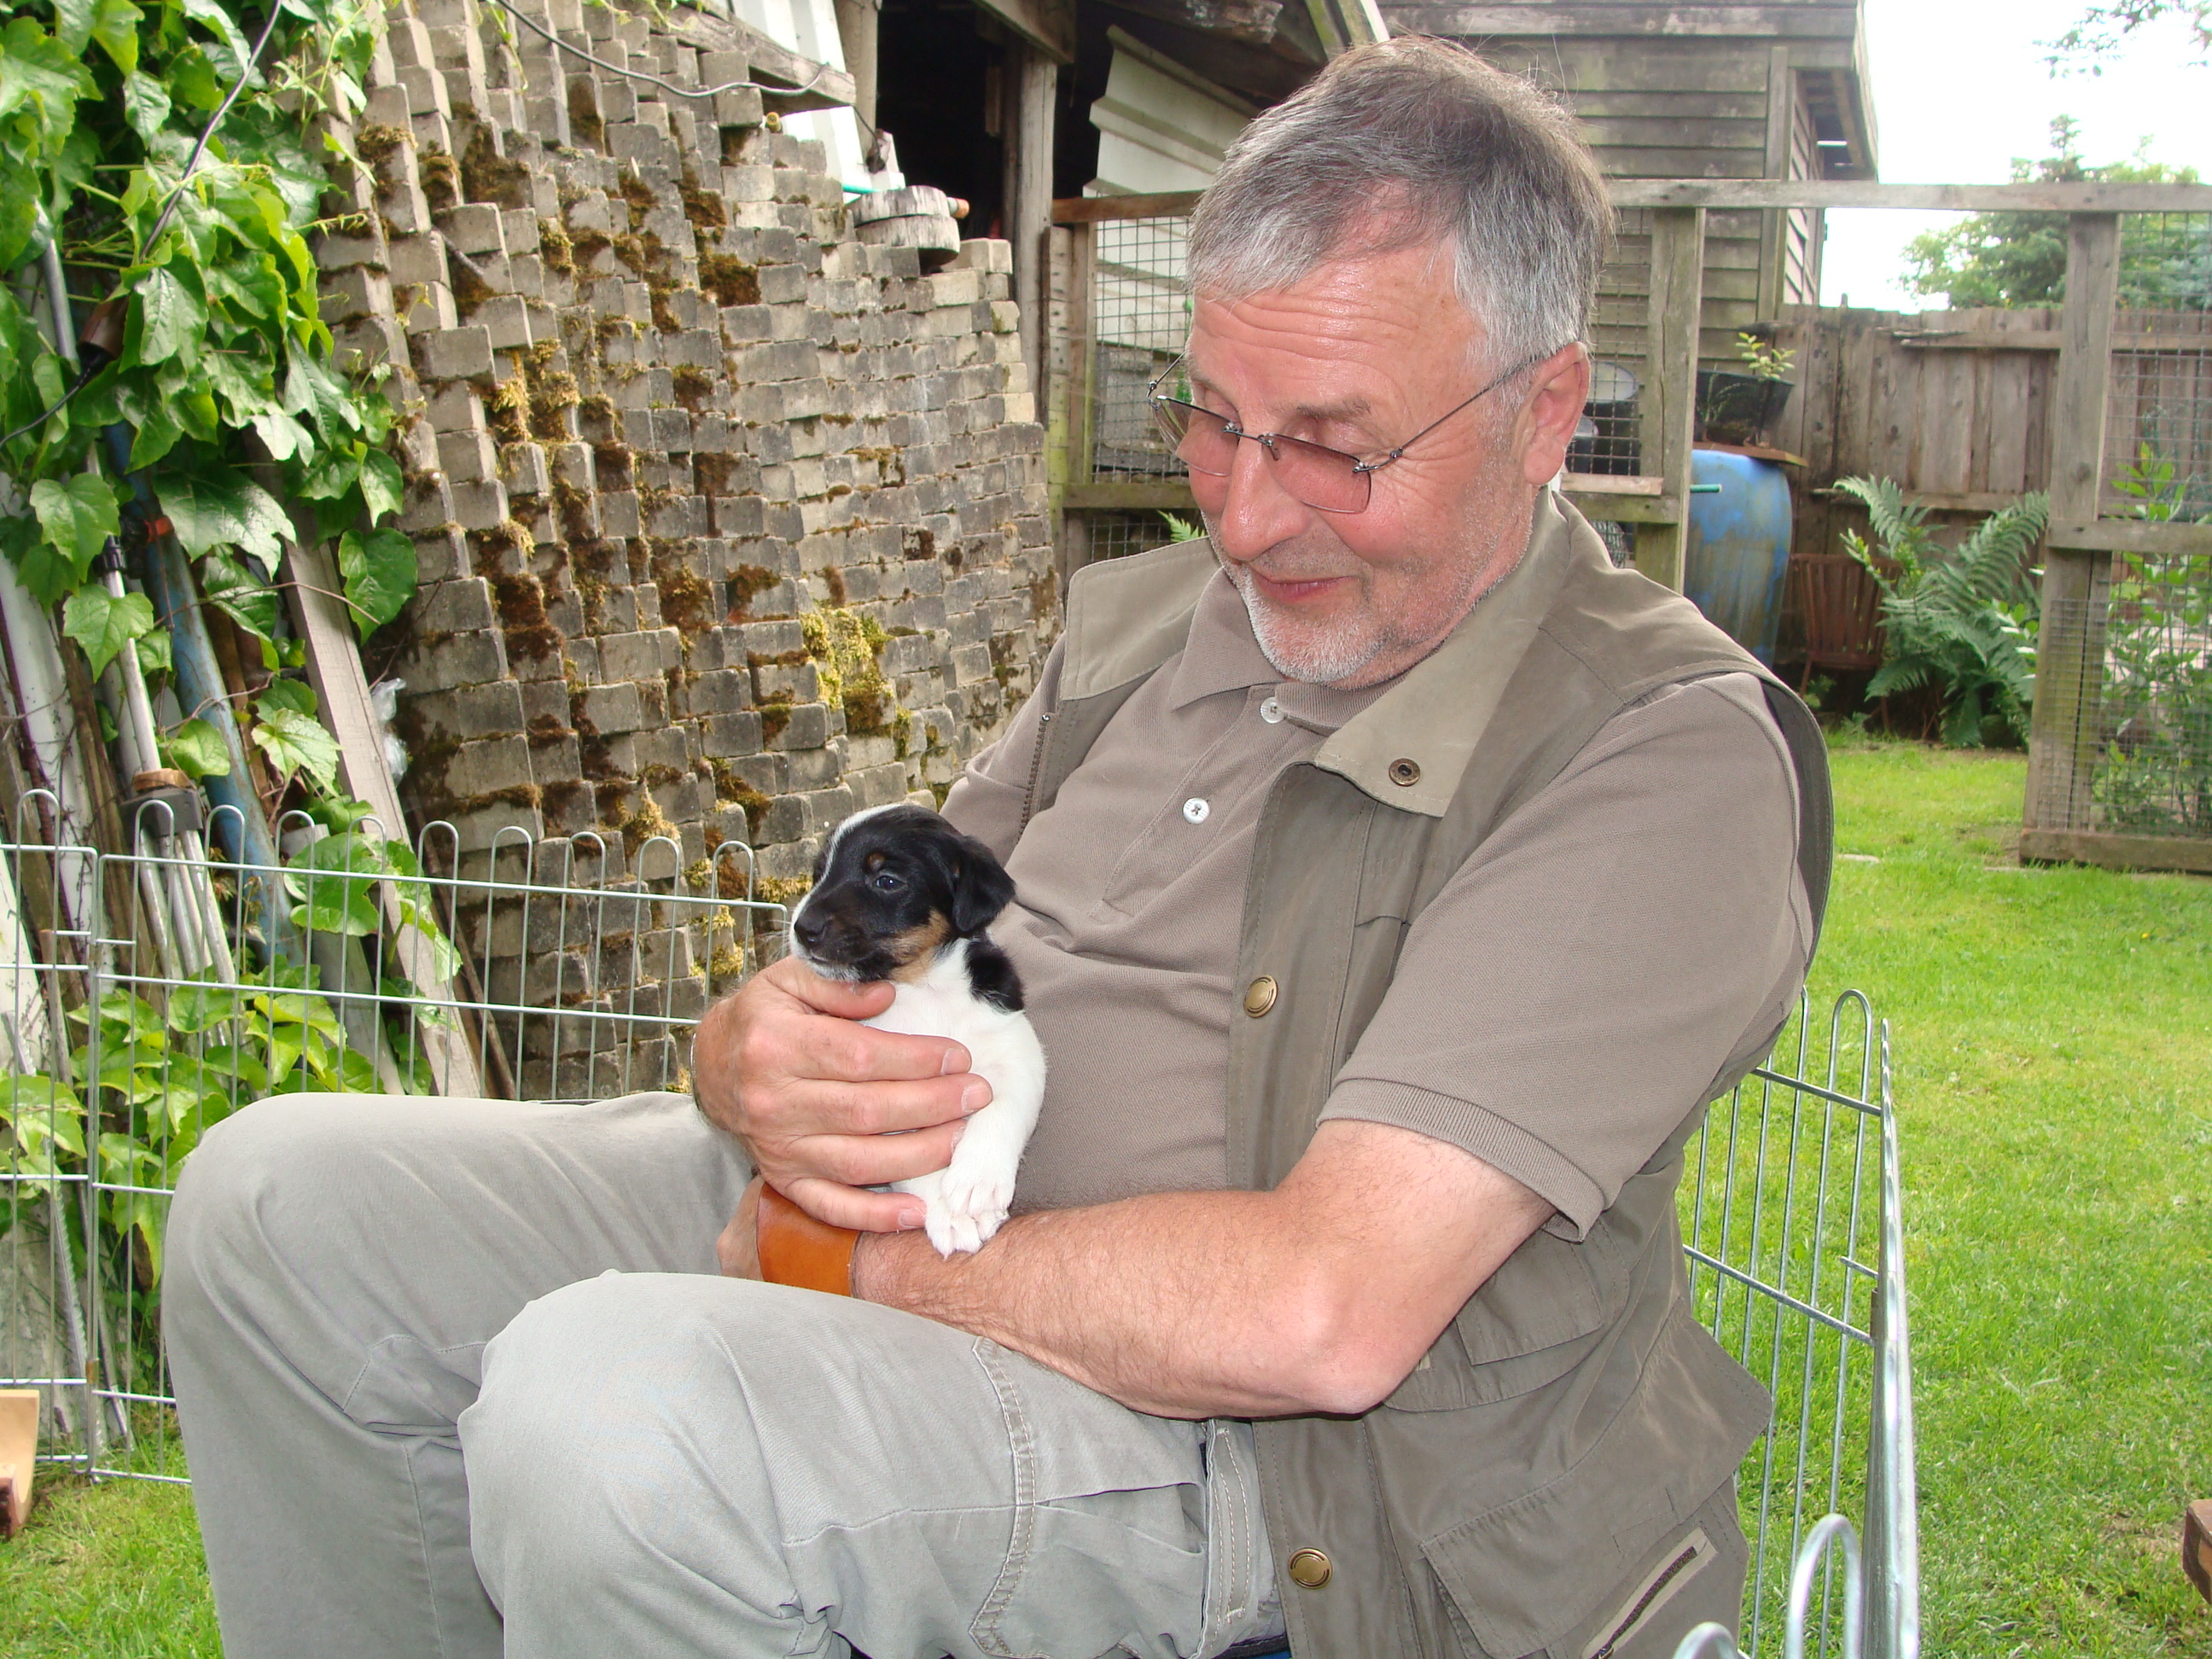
column 967, row 1209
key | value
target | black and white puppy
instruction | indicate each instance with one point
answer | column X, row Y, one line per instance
column 899, row 894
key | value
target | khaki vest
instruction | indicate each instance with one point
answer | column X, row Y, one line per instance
column 1573, row 1414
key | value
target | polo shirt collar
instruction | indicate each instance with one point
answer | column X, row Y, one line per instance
column 1410, row 746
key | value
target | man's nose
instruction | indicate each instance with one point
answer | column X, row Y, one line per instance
column 1256, row 512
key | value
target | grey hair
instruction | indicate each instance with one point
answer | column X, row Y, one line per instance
column 1406, row 142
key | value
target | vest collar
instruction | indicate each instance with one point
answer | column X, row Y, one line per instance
column 1410, row 747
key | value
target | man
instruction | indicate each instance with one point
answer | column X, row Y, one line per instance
column 1397, row 880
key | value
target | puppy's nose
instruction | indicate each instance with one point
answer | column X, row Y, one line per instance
column 810, row 932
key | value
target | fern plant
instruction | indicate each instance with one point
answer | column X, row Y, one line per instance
column 1960, row 622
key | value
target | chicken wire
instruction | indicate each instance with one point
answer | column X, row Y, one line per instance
column 562, row 970
column 1140, row 317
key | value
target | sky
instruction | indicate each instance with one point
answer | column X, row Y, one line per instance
column 1960, row 87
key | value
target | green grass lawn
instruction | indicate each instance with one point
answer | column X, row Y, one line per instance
column 2053, row 1032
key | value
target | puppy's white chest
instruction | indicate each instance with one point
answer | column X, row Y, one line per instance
column 967, row 1202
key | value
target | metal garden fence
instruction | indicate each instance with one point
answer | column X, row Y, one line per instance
column 573, row 969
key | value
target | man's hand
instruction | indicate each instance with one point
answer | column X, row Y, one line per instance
column 827, row 1106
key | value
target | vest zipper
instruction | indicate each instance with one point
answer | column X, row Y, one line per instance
column 1673, row 1571
column 1036, row 767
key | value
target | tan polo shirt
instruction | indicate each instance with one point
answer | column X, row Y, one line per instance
column 1631, row 931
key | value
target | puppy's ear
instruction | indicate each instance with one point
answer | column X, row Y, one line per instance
column 980, row 886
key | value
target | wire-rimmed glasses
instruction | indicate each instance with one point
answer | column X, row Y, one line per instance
column 1325, row 479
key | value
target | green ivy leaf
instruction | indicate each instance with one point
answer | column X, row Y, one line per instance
column 156, row 435
column 379, row 575
column 19, row 214
column 77, row 515
column 234, row 590
column 155, row 655
column 115, row 25
column 294, row 694
column 382, row 487
column 103, row 623
column 73, row 23
column 283, row 436
column 295, row 742
column 172, row 319
column 146, row 107
column 210, row 514
column 196, row 750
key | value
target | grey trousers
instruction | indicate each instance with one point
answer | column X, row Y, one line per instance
column 458, row 1378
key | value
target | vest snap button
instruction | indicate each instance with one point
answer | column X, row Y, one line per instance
column 1309, row 1569
column 1404, row 773
column 1260, row 996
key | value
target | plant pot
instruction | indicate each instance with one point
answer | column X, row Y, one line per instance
column 1738, row 408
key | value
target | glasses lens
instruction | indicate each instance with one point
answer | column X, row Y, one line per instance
column 1201, row 439
column 1327, row 479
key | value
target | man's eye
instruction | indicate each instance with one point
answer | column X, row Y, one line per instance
column 885, row 882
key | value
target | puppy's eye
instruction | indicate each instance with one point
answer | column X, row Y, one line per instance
column 885, row 882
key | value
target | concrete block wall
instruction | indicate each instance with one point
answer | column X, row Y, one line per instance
column 728, row 524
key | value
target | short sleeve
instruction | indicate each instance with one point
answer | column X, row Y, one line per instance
column 986, row 798
column 1629, row 936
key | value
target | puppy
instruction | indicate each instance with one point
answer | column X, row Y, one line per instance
column 899, row 894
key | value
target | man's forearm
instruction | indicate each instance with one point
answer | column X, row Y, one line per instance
column 1182, row 1304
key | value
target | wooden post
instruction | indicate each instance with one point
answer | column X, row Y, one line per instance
column 1032, row 80
column 1074, row 394
column 2063, row 739
column 859, row 25
column 1678, row 260
column 1773, row 235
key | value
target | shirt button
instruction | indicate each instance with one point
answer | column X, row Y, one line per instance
column 1309, row 1569
column 1272, row 712
column 1195, row 809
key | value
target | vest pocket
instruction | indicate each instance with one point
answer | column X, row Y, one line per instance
column 1537, row 1318
column 1525, row 1573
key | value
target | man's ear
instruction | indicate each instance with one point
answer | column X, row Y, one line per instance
column 981, row 887
column 1546, row 426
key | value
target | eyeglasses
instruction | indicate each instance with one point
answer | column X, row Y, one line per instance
column 1326, row 479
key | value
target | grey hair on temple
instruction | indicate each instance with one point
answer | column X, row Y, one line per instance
column 1405, row 142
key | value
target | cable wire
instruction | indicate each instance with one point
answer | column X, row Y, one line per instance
column 214, row 120
column 543, row 32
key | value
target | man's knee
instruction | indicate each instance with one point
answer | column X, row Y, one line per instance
column 230, row 1207
column 612, row 1419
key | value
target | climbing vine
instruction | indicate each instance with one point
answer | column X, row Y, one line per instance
column 214, row 381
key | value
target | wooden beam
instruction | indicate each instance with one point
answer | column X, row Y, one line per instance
column 334, row 666
column 1031, row 78
column 1133, row 495
column 1612, row 483
column 1743, row 23
column 2115, row 852
column 1776, row 193
column 1678, row 260
column 1098, row 210
column 1627, row 509
column 1047, row 25
column 2130, row 535
column 1781, row 112
column 1961, row 199
column 2064, row 735
column 1985, row 339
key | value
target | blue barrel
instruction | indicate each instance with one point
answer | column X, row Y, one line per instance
column 1737, row 550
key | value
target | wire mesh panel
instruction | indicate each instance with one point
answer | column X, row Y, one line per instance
column 2158, row 416
column 44, row 1341
column 565, row 970
column 1140, row 316
column 1783, row 1209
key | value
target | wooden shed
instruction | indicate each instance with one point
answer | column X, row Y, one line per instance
column 1777, row 90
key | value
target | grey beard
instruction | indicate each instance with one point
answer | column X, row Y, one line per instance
column 1312, row 662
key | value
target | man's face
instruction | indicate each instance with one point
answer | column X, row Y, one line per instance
column 1359, row 356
